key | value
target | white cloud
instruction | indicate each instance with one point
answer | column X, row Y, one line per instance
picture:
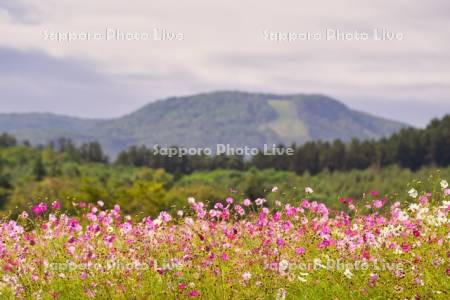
column 224, row 48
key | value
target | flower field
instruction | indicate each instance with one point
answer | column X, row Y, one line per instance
column 235, row 249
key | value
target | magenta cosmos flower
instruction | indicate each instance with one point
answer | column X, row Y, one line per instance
column 40, row 208
column 56, row 205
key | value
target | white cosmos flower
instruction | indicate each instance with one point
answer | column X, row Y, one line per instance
column 283, row 265
column 302, row 277
column 413, row 193
column 413, row 206
column 348, row 274
column 444, row 184
column 191, row 200
column 398, row 251
column 308, row 190
column 281, row 294
column 247, row 276
column 403, row 216
column 260, row 201
column 274, row 189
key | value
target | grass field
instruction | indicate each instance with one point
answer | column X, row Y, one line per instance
column 240, row 249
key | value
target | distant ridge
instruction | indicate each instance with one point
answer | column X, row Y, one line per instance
column 208, row 119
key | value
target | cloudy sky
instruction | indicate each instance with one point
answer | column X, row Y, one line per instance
column 224, row 45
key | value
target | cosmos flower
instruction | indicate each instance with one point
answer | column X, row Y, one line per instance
column 246, row 276
column 40, row 209
column 300, row 250
column 283, row 266
column 281, row 294
column 413, row 193
column 377, row 204
column 191, row 200
column 348, row 274
column 260, row 201
column 56, row 205
column 219, row 242
column 247, row 202
column 414, row 207
column 194, row 294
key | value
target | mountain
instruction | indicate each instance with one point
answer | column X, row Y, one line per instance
column 205, row 120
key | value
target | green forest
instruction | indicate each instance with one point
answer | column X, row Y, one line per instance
column 141, row 182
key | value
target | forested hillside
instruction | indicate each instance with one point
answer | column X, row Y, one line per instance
column 204, row 120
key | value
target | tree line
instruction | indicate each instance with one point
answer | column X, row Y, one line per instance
column 409, row 148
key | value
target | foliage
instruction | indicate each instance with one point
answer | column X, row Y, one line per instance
column 226, row 117
column 239, row 249
column 410, row 148
column 65, row 171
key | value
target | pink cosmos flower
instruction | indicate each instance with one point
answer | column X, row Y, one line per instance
column 423, row 200
column 56, row 205
column 90, row 293
column 40, row 208
column 225, row 256
column 305, row 204
column 239, row 210
column 300, row 250
column 165, row 217
column 373, row 279
column 71, row 249
column 194, row 294
column 280, row 242
column 406, row 247
column 247, row 202
column 213, row 213
column 377, row 204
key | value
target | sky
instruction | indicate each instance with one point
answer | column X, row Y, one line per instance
column 102, row 59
